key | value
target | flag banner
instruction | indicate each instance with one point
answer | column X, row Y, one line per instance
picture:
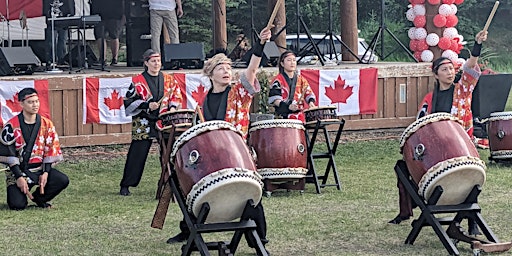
column 352, row 91
column 12, row 9
column 10, row 106
column 196, row 87
column 103, row 100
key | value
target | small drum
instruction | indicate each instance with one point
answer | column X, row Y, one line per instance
column 499, row 130
column 439, row 152
column 320, row 113
column 182, row 119
column 214, row 165
column 280, row 147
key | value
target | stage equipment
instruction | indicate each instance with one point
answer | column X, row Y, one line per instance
column 138, row 34
column 184, row 55
column 380, row 34
column 55, row 11
column 311, row 46
column 17, row 60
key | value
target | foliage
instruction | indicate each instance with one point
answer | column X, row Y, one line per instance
column 264, row 78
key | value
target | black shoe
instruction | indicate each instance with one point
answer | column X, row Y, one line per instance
column 124, row 191
column 114, row 62
column 179, row 238
column 398, row 219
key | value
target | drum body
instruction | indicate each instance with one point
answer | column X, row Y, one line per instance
column 213, row 165
column 320, row 113
column 438, row 151
column 500, row 135
column 182, row 119
column 280, row 147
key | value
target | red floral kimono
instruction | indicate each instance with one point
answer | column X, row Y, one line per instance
column 46, row 147
column 280, row 89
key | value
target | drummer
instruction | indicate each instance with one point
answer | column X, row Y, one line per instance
column 143, row 101
column 290, row 92
column 231, row 101
column 453, row 96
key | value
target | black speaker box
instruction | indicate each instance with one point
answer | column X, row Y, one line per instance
column 184, row 55
column 136, row 9
column 77, row 58
column 17, row 60
column 137, row 42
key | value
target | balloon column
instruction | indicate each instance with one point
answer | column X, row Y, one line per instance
column 434, row 31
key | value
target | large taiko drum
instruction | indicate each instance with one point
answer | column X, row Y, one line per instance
column 500, row 135
column 321, row 113
column 280, row 147
column 214, row 165
column 439, row 152
column 182, row 119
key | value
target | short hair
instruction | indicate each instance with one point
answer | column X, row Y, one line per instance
column 25, row 92
column 217, row 59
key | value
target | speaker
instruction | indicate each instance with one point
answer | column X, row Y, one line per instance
column 78, row 60
column 17, row 60
column 136, row 9
column 184, row 55
column 270, row 55
column 138, row 40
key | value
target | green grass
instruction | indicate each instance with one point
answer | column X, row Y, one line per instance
column 90, row 218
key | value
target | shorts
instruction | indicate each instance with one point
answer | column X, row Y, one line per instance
column 112, row 27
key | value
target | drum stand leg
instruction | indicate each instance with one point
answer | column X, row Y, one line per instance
column 165, row 155
column 469, row 209
column 312, row 175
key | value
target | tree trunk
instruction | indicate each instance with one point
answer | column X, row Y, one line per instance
column 348, row 10
column 279, row 23
column 220, row 36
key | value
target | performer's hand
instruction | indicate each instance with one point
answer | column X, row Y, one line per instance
column 23, row 185
column 172, row 109
column 179, row 12
column 293, row 107
column 43, row 178
column 311, row 104
column 265, row 34
column 153, row 106
column 481, row 36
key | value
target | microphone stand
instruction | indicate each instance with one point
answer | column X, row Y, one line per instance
column 54, row 11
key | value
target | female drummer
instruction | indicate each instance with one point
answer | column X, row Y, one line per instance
column 453, row 96
column 142, row 101
column 290, row 91
column 231, row 101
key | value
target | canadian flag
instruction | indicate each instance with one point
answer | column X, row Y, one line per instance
column 10, row 106
column 352, row 91
column 103, row 100
column 32, row 8
column 196, row 87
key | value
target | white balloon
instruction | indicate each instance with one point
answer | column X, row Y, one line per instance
column 410, row 15
column 411, row 33
column 460, row 61
column 419, row 9
column 432, row 39
column 427, row 55
column 453, row 56
column 445, row 9
column 420, row 33
column 454, row 9
column 450, row 32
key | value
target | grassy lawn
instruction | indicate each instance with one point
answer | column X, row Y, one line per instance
column 90, row 217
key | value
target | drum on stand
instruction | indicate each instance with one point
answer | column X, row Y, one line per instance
column 438, row 151
column 499, row 130
column 280, row 147
column 182, row 119
column 325, row 113
column 213, row 164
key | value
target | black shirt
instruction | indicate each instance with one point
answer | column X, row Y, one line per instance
column 214, row 101
column 444, row 100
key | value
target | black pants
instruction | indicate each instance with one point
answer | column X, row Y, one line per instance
column 57, row 181
column 135, row 162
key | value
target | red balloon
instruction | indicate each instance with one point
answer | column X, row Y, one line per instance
column 420, row 21
column 434, row 2
column 451, row 20
column 444, row 43
column 422, row 45
column 457, row 2
column 413, row 45
column 417, row 55
column 456, row 46
column 420, row 1
column 439, row 20
column 448, row 1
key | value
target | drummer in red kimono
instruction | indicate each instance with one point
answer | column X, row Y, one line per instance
column 290, row 93
column 230, row 101
column 450, row 95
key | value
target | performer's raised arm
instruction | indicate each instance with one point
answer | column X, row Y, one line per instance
column 257, row 52
column 477, row 47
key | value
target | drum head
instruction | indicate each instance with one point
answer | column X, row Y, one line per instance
column 227, row 192
column 457, row 177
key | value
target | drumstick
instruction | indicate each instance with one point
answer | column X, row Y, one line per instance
column 200, row 113
column 489, row 19
column 274, row 13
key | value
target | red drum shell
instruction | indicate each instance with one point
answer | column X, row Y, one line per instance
column 223, row 157
column 444, row 141
column 500, row 135
column 280, row 147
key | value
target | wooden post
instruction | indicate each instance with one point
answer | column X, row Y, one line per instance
column 220, row 36
column 430, row 12
column 349, row 30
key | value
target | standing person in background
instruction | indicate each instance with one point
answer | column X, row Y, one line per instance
column 29, row 146
column 289, row 91
column 143, row 102
column 164, row 12
column 112, row 22
column 60, row 33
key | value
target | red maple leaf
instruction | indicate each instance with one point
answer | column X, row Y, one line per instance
column 199, row 93
column 14, row 104
column 340, row 93
column 114, row 101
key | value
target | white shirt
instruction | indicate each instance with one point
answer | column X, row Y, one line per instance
column 166, row 5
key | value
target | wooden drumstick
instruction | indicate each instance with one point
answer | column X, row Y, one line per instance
column 489, row 19
column 200, row 113
column 274, row 13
